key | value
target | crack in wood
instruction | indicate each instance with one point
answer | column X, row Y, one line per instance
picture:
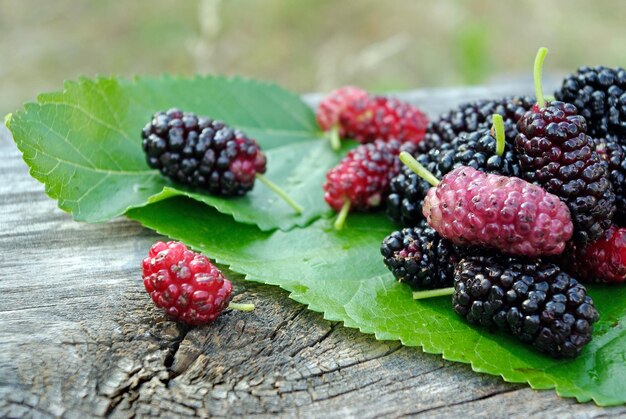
column 464, row 402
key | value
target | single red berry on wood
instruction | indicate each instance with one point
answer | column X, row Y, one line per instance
column 184, row 283
column 376, row 117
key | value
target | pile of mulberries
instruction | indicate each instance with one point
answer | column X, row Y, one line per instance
column 508, row 222
column 515, row 234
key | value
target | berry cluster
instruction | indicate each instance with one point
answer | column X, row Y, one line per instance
column 521, row 212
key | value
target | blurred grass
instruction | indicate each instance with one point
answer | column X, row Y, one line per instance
column 305, row 45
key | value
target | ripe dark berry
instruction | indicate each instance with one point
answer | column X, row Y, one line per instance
column 614, row 153
column 470, row 207
column 599, row 93
column 533, row 300
column 603, row 260
column 419, row 257
column 184, row 283
column 475, row 149
column 478, row 115
column 556, row 153
column 201, row 152
column 331, row 106
column 381, row 118
column 362, row 177
column 407, row 190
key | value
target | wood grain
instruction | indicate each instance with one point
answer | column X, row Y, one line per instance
column 79, row 337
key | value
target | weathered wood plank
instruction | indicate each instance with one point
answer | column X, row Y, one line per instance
column 79, row 337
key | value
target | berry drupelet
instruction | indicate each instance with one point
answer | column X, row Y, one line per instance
column 556, row 153
column 419, row 257
column 205, row 153
column 599, row 93
column 373, row 118
column 533, row 300
column 185, row 284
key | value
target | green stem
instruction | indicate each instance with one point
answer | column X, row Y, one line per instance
column 422, row 295
column 293, row 204
column 343, row 214
column 498, row 127
column 333, row 136
column 538, row 68
column 421, row 171
column 241, row 306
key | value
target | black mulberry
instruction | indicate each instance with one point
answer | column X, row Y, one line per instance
column 599, row 93
column 201, row 152
column 533, row 300
column 419, row 257
column 556, row 153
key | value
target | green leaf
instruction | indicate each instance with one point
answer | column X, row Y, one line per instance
column 341, row 274
column 84, row 143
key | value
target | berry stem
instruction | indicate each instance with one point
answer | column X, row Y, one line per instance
column 333, row 136
column 274, row 187
column 498, row 127
column 343, row 214
column 420, row 170
column 422, row 295
column 538, row 68
column 241, row 306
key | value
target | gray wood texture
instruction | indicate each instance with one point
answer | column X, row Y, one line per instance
column 79, row 336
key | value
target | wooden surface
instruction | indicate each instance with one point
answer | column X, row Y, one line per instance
column 79, row 336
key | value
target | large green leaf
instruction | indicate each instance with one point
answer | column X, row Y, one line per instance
column 84, row 144
column 341, row 274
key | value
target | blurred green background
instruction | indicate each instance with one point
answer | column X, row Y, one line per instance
column 304, row 45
